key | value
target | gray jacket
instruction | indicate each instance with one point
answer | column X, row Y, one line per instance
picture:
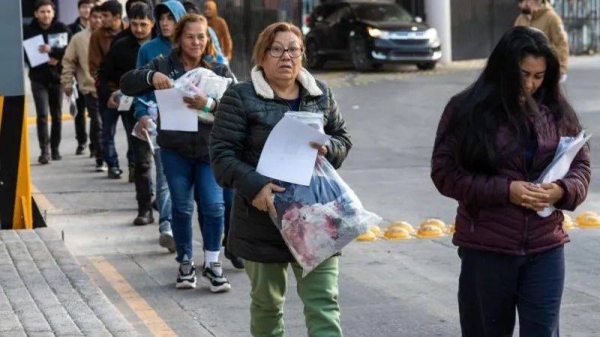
column 245, row 117
column 138, row 81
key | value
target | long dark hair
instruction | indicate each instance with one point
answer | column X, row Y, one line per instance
column 497, row 98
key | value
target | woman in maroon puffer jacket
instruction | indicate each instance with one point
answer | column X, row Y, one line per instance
column 493, row 140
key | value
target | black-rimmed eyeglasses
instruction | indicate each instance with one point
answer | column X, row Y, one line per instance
column 294, row 52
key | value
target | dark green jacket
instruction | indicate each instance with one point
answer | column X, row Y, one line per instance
column 245, row 117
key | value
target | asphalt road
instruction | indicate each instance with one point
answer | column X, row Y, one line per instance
column 387, row 288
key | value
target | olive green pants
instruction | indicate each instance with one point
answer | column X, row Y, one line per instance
column 318, row 292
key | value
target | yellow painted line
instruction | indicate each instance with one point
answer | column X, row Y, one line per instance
column 41, row 200
column 65, row 117
column 142, row 309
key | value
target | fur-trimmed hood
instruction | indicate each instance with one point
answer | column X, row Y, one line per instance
column 264, row 90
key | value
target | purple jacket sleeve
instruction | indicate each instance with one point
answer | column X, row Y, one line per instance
column 577, row 181
column 453, row 181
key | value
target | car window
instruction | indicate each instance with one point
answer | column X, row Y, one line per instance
column 382, row 12
column 342, row 12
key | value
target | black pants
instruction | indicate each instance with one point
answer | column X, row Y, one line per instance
column 493, row 285
column 143, row 163
column 48, row 96
column 91, row 103
column 80, row 129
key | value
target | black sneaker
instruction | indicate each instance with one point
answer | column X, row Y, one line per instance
column 213, row 275
column 44, row 159
column 56, row 155
column 186, row 275
column 144, row 218
column 80, row 149
column 237, row 262
column 114, row 173
column 100, row 167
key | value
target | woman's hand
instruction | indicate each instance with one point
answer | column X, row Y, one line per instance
column 321, row 148
column 554, row 191
column 529, row 195
column 198, row 102
column 160, row 81
column 144, row 120
column 264, row 199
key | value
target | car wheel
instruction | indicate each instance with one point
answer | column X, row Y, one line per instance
column 313, row 59
column 426, row 65
column 360, row 60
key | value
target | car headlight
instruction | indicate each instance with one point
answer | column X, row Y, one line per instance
column 432, row 35
column 378, row 33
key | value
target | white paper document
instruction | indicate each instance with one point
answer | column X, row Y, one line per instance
column 125, row 103
column 287, row 154
column 32, row 49
column 567, row 150
column 58, row 40
column 174, row 113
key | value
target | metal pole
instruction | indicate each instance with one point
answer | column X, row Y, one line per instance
column 438, row 15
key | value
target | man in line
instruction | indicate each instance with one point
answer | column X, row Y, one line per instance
column 45, row 78
column 100, row 41
column 166, row 14
column 540, row 14
column 121, row 58
column 220, row 26
column 75, row 65
column 84, row 8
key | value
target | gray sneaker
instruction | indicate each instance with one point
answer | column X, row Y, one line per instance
column 166, row 239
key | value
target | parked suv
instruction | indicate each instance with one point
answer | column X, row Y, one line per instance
column 369, row 33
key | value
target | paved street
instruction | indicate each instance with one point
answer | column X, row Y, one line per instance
column 387, row 289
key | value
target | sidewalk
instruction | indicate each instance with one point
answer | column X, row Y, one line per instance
column 44, row 291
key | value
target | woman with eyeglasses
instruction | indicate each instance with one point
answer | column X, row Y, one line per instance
column 246, row 115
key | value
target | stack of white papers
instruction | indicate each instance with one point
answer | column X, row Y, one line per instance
column 287, row 155
column 32, row 49
column 567, row 150
column 174, row 113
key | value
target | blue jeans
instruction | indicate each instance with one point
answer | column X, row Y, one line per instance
column 492, row 286
column 186, row 177
column 228, row 199
column 110, row 117
column 163, row 197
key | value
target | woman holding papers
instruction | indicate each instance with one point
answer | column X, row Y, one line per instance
column 184, row 147
column 493, row 141
column 247, row 114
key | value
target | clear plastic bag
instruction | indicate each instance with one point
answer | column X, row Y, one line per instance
column 205, row 82
column 319, row 220
column 202, row 81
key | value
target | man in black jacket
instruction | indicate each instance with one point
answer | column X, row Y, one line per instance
column 45, row 79
column 121, row 58
column 82, row 22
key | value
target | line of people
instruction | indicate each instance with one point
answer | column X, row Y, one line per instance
column 493, row 138
column 102, row 47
